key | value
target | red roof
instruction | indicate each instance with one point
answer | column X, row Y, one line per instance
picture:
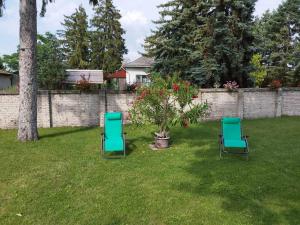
column 119, row 74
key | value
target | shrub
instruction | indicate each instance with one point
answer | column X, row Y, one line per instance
column 132, row 87
column 231, row 85
column 84, row 84
column 275, row 84
column 167, row 102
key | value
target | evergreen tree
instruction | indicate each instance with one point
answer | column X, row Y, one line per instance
column 209, row 41
column 107, row 43
column 49, row 53
column 1, row 64
column 76, row 39
column 277, row 40
column 172, row 44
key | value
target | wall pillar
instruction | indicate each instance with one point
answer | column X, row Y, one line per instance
column 50, row 109
column 278, row 103
column 102, row 106
column 240, row 104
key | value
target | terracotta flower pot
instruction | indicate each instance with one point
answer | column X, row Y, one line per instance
column 162, row 142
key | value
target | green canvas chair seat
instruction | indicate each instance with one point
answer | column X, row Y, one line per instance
column 235, row 144
column 232, row 136
column 113, row 144
column 113, row 138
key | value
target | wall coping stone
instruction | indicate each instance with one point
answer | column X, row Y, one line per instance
column 203, row 90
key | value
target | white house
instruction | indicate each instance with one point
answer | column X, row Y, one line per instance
column 92, row 76
column 137, row 71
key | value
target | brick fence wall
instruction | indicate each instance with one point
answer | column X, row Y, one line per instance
column 72, row 108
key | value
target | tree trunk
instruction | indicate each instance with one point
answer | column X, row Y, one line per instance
column 28, row 84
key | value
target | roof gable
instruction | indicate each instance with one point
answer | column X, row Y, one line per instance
column 3, row 72
column 141, row 62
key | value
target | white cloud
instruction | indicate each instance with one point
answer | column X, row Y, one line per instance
column 134, row 17
column 140, row 40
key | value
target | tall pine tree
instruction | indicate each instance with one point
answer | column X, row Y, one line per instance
column 172, row 44
column 107, row 43
column 209, row 41
column 75, row 39
column 278, row 39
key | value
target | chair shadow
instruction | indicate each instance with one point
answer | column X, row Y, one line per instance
column 131, row 143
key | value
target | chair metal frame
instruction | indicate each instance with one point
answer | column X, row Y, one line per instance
column 102, row 150
column 222, row 146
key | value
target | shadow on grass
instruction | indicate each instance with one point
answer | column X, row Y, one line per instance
column 57, row 133
column 243, row 187
column 131, row 146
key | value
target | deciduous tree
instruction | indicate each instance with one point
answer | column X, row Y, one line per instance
column 50, row 66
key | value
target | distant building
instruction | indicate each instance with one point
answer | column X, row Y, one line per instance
column 119, row 78
column 6, row 79
column 137, row 71
column 93, row 76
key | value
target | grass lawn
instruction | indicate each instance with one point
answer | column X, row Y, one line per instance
column 61, row 179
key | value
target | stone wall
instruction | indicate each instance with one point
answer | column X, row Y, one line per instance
column 72, row 108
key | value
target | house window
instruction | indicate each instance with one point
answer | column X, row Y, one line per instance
column 142, row 79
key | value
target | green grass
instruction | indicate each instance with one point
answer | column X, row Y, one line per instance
column 61, row 179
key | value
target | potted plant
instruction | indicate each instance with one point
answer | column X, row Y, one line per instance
column 166, row 102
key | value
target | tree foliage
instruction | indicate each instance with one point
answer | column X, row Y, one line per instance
column 107, row 43
column 209, row 42
column 11, row 62
column 1, row 64
column 1, row 7
column 50, row 66
column 277, row 40
column 259, row 74
column 75, row 39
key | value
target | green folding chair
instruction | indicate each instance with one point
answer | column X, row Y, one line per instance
column 232, row 137
column 113, row 138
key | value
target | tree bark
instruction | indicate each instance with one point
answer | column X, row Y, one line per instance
column 27, row 64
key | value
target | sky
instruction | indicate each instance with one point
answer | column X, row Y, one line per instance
column 137, row 17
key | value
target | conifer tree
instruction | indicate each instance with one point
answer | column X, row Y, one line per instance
column 277, row 40
column 75, row 39
column 171, row 44
column 207, row 41
column 107, row 43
